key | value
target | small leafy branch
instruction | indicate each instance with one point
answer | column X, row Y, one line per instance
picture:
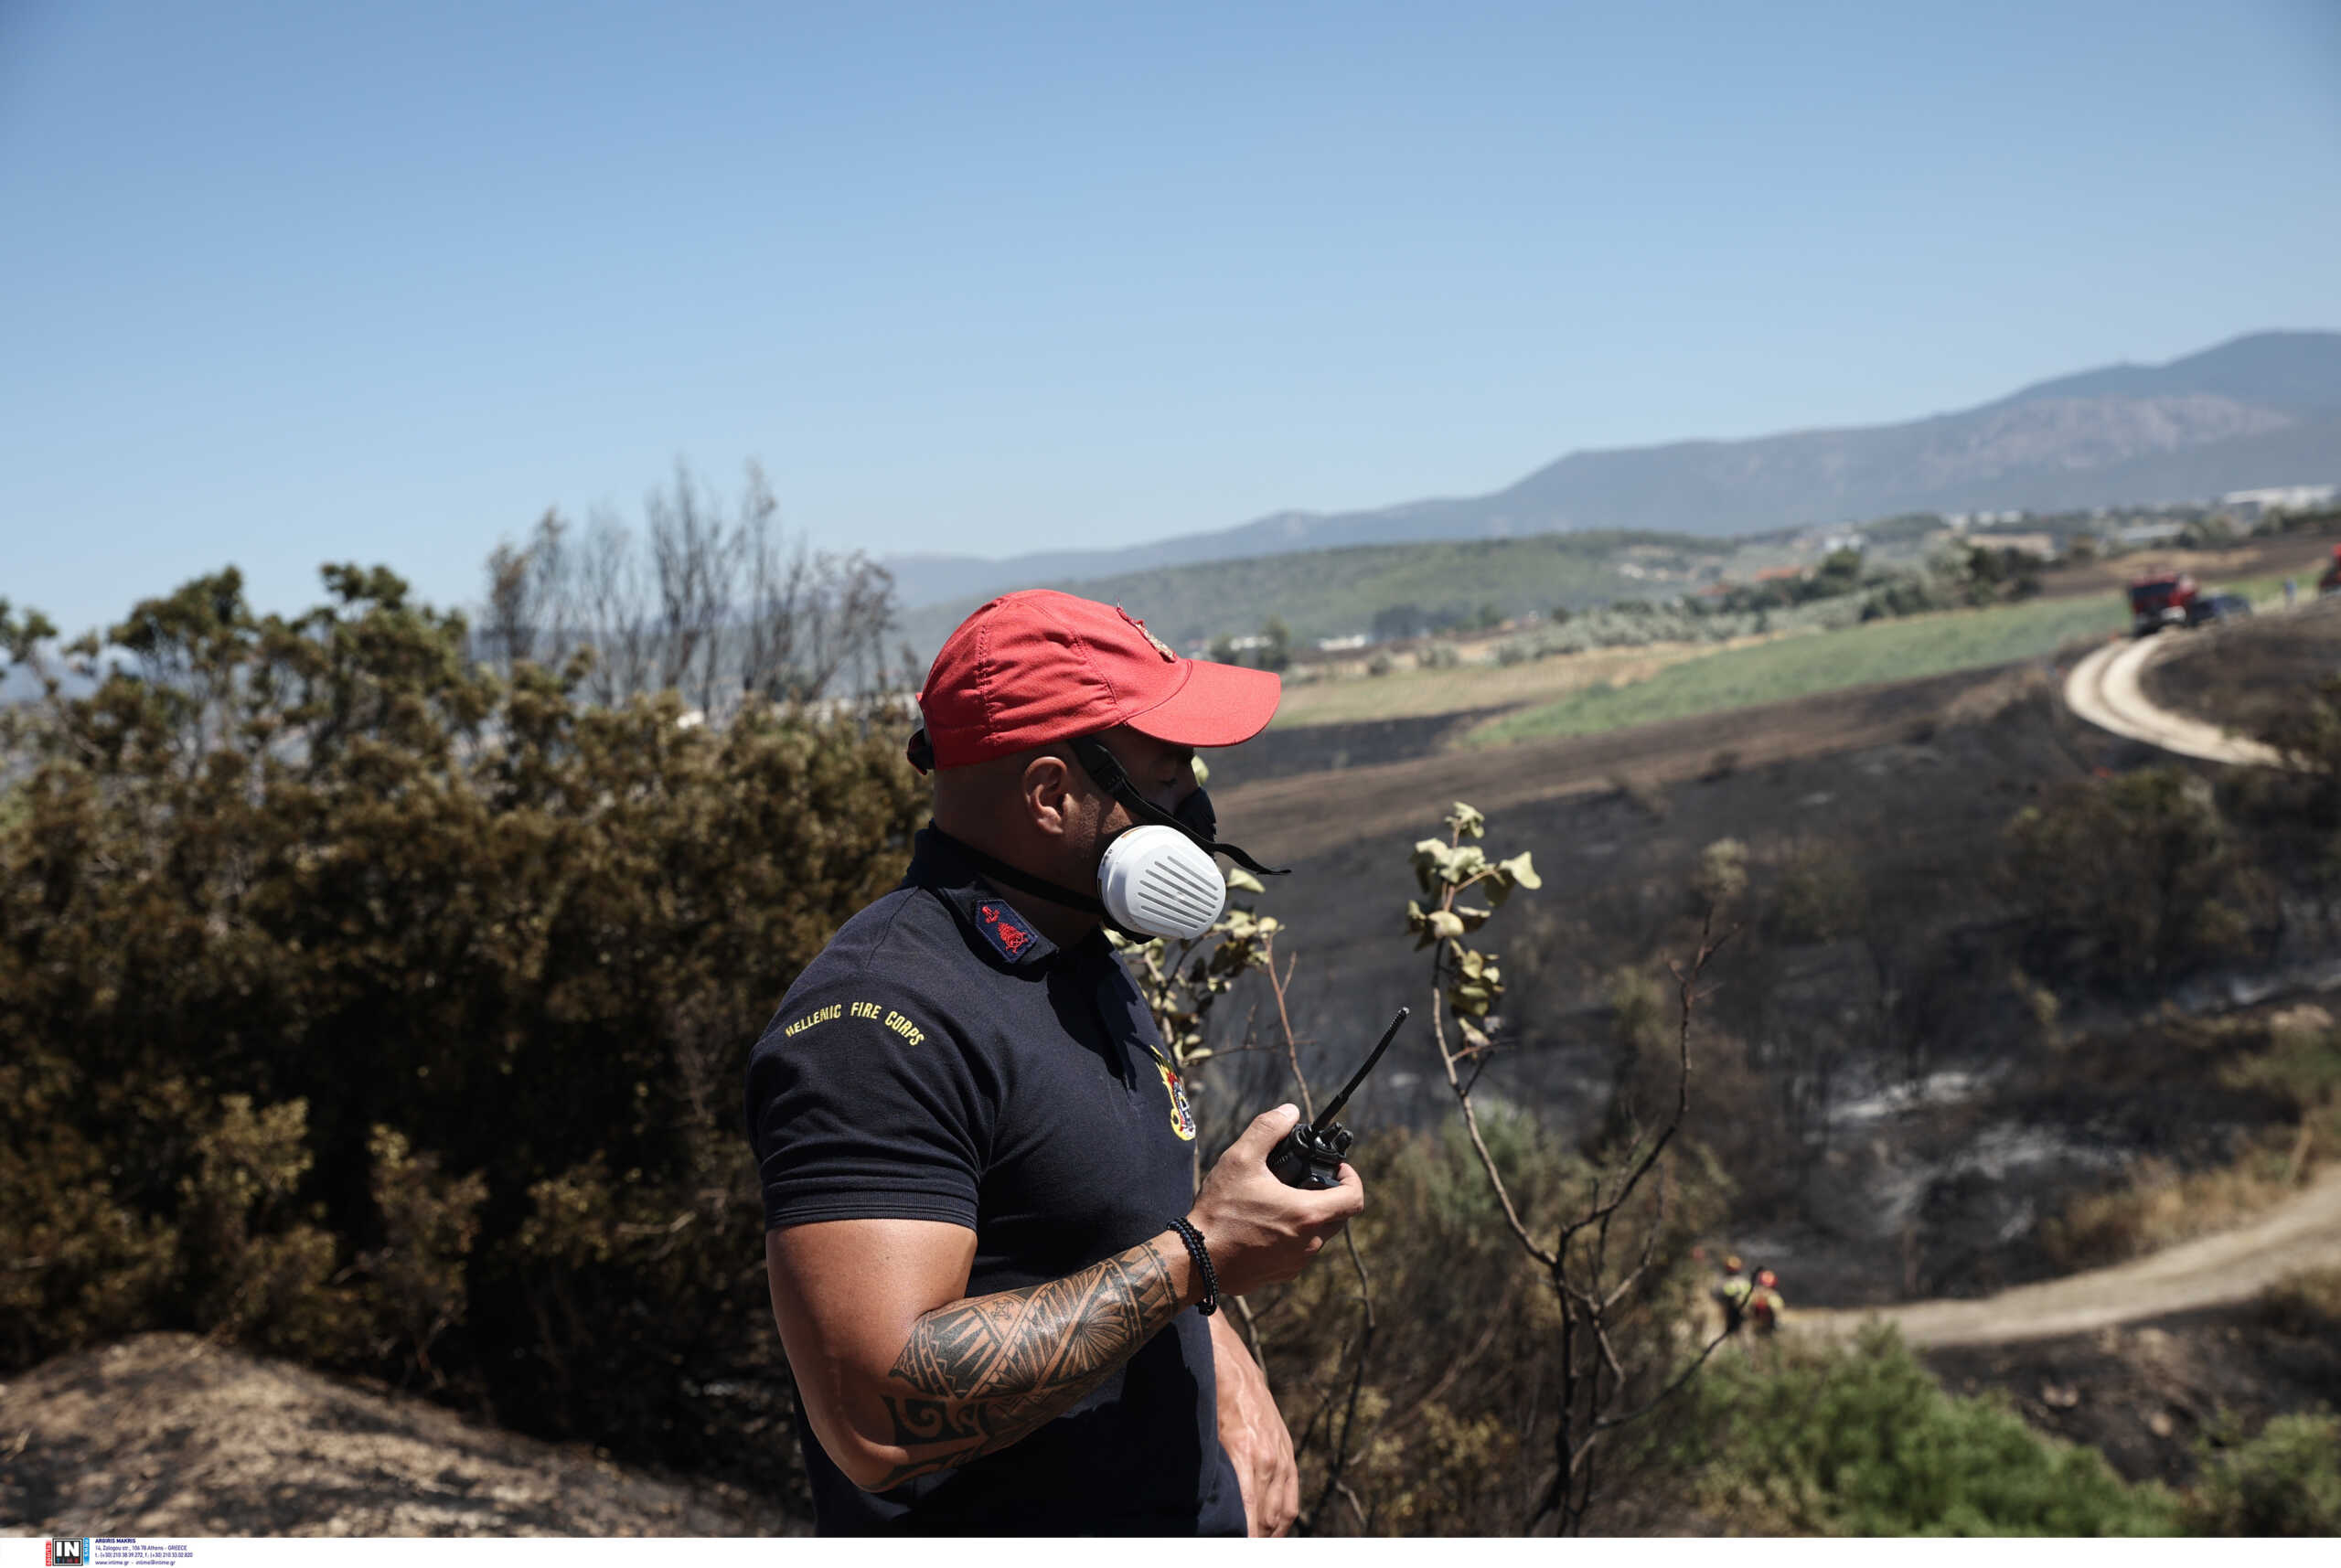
column 1465, row 981
column 1584, row 1260
column 1182, row 981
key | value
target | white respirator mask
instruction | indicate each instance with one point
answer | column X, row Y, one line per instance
column 1157, row 878
column 1157, row 881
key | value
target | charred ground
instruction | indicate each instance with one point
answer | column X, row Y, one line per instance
column 1898, row 1117
column 2244, row 674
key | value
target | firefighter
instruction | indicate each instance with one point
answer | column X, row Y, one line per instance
column 1731, row 1293
column 1765, row 1303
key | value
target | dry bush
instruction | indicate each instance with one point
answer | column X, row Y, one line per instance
column 2307, row 1304
column 1453, row 1420
column 1818, row 895
column 2302, row 1066
column 2298, row 1067
column 2162, row 1206
column 1645, row 795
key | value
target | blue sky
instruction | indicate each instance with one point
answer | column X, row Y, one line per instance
column 295, row 282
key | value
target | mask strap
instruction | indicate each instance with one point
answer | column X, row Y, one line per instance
column 1000, row 872
column 1105, row 770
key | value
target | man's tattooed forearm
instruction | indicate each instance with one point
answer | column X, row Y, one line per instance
column 980, row 1374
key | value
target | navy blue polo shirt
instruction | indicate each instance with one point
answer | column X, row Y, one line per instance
column 942, row 1059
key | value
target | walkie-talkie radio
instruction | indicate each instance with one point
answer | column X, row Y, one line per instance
column 1311, row 1155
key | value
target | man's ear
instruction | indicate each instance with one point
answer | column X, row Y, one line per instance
column 1045, row 790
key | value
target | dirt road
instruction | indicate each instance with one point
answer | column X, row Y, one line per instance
column 2210, row 1271
column 166, row 1434
column 2104, row 689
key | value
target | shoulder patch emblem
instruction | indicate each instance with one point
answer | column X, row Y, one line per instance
column 1005, row 929
column 1182, row 1119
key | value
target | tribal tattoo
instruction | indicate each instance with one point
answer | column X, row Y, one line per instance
column 977, row 1375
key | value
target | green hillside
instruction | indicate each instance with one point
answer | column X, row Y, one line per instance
column 1831, row 661
column 1820, row 661
column 1333, row 593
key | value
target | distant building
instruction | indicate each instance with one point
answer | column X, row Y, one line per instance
column 1343, row 645
column 2148, row 533
column 2280, row 499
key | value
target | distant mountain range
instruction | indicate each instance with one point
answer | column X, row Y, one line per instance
column 2263, row 410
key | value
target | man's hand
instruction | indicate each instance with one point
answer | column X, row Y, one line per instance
column 1259, row 1231
column 1252, row 1432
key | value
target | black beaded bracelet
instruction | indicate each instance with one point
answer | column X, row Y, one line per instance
column 1201, row 1254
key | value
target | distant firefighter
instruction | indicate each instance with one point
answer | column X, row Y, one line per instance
column 1765, row 1303
column 1731, row 1292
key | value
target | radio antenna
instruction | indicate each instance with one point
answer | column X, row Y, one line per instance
column 1325, row 1117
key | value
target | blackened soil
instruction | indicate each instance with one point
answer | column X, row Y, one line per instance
column 1328, row 748
column 2144, row 1394
column 1893, row 1120
column 2240, row 674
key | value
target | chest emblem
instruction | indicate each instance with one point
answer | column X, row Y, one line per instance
column 1182, row 1119
column 1006, row 931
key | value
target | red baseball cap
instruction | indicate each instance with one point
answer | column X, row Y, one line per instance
column 1037, row 667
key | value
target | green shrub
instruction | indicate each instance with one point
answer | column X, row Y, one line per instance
column 253, row 1262
column 1863, row 1441
column 2285, row 1481
column 2131, row 881
column 430, row 1221
column 324, row 950
column 79, row 1264
column 1819, row 896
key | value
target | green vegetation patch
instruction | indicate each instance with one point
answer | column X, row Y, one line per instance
column 1793, row 1440
column 1831, row 661
column 2285, row 1481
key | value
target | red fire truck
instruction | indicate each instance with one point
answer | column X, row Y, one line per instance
column 2159, row 599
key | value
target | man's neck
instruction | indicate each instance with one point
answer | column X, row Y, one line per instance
column 1061, row 924
column 1065, row 927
